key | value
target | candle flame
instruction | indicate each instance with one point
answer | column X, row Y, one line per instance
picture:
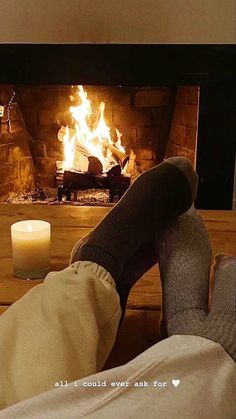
column 29, row 228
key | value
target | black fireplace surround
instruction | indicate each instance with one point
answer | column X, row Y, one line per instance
column 212, row 67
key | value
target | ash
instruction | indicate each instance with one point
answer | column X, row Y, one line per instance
column 48, row 196
column 90, row 196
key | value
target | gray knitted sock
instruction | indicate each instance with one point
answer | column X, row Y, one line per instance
column 158, row 195
column 184, row 256
column 220, row 324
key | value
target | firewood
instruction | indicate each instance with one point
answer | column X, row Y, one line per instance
column 114, row 171
column 81, row 162
column 79, row 148
column 80, row 181
column 124, row 162
column 117, row 153
column 95, row 166
column 130, row 168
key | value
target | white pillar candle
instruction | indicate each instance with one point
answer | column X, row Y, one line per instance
column 31, row 248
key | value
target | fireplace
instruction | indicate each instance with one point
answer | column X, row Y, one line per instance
column 88, row 143
column 160, row 101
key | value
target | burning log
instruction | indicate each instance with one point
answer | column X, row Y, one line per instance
column 95, row 166
column 125, row 162
column 72, row 133
column 130, row 164
column 83, row 160
column 120, row 155
column 80, row 181
column 114, row 171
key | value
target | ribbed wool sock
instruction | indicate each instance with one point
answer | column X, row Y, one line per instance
column 158, row 195
column 184, row 256
column 220, row 324
column 134, row 268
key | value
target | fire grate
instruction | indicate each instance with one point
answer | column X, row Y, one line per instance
column 70, row 184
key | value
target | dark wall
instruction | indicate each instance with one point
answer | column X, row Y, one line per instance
column 126, row 65
column 216, row 146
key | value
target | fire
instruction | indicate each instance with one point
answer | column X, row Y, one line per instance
column 118, row 142
column 94, row 141
column 69, row 150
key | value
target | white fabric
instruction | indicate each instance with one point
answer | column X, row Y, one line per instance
column 62, row 329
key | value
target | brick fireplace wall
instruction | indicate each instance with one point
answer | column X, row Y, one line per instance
column 39, row 106
column 16, row 168
column 183, row 131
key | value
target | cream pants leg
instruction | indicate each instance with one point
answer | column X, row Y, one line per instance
column 67, row 332
column 63, row 329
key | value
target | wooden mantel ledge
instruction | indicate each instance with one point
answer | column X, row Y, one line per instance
column 70, row 223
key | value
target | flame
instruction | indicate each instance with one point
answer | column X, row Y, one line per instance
column 97, row 141
column 124, row 171
column 69, row 151
column 103, row 131
column 118, row 142
column 29, row 228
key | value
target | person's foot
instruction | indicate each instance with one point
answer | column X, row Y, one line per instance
column 158, row 195
column 220, row 324
column 184, row 256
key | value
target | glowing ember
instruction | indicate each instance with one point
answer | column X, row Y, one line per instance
column 84, row 141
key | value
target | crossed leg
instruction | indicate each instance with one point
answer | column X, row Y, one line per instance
column 65, row 329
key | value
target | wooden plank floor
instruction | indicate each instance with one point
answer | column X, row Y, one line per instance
column 69, row 224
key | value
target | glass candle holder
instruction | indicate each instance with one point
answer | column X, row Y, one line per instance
column 31, row 242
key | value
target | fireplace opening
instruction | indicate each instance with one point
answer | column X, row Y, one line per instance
column 77, row 144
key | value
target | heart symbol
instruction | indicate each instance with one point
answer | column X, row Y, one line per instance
column 175, row 382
